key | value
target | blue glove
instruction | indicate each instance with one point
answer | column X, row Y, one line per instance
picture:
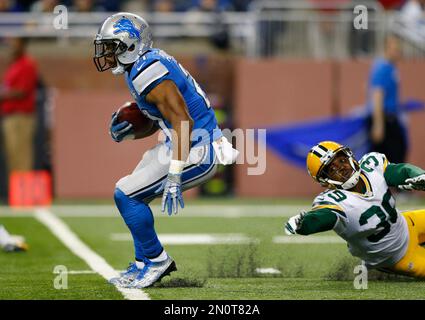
column 120, row 131
column 172, row 195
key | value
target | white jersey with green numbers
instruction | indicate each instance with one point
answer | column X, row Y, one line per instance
column 369, row 222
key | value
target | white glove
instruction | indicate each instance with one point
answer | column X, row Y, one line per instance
column 294, row 223
column 416, row 183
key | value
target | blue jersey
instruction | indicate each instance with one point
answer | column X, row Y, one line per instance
column 155, row 66
column 384, row 75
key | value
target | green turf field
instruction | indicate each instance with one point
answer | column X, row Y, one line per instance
column 322, row 269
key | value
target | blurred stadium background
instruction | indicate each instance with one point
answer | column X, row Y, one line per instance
column 263, row 64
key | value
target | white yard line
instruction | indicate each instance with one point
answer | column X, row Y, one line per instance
column 207, row 211
column 81, row 250
column 307, row 239
column 227, row 238
column 192, row 238
column 267, row 271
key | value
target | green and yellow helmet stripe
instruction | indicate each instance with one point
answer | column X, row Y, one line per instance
column 320, row 155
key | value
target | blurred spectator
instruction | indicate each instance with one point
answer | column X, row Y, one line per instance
column 18, row 106
column 24, row 5
column 44, row 5
column 413, row 11
column 412, row 23
column 386, row 131
column 202, row 5
column 86, row 6
column 326, row 34
column 110, row 5
column 8, row 6
column 163, row 6
column 241, row 5
column 211, row 5
column 391, row 4
column 135, row 6
column 220, row 37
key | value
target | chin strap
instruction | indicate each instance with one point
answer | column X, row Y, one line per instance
column 350, row 183
column 119, row 69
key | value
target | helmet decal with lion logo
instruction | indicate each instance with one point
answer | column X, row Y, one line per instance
column 126, row 25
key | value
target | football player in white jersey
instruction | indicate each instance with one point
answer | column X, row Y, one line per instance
column 359, row 207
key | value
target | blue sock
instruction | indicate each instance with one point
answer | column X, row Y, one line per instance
column 139, row 219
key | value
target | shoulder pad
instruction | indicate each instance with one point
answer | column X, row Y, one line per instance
column 146, row 71
column 373, row 160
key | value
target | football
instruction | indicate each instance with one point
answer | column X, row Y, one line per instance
column 142, row 125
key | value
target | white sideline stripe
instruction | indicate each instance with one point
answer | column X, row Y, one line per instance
column 202, row 211
column 81, row 250
column 267, row 271
column 189, row 239
column 307, row 239
column 81, row 272
column 207, row 211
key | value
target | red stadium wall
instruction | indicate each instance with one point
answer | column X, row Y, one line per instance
column 87, row 163
column 279, row 92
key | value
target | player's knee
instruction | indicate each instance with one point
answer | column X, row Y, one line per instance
column 120, row 198
column 132, row 207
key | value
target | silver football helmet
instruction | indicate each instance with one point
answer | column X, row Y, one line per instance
column 121, row 39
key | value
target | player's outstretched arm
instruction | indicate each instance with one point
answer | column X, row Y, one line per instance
column 405, row 176
column 169, row 101
column 310, row 222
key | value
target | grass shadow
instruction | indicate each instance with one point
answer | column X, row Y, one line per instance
column 181, row 282
column 234, row 261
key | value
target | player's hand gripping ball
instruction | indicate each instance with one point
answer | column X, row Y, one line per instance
column 130, row 123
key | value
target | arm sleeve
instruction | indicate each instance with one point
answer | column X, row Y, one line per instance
column 378, row 78
column 396, row 174
column 317, row 221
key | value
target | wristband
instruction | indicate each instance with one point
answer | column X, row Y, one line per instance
column 176, row 166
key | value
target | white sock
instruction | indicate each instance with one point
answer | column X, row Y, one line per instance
column 140, row 264
column 162, row 257
column 4, row 237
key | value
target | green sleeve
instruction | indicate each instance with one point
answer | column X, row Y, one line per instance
column 396, row 174
column 317, row 221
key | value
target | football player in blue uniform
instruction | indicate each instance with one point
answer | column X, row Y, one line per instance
column 166, row 93
column 11, row 243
